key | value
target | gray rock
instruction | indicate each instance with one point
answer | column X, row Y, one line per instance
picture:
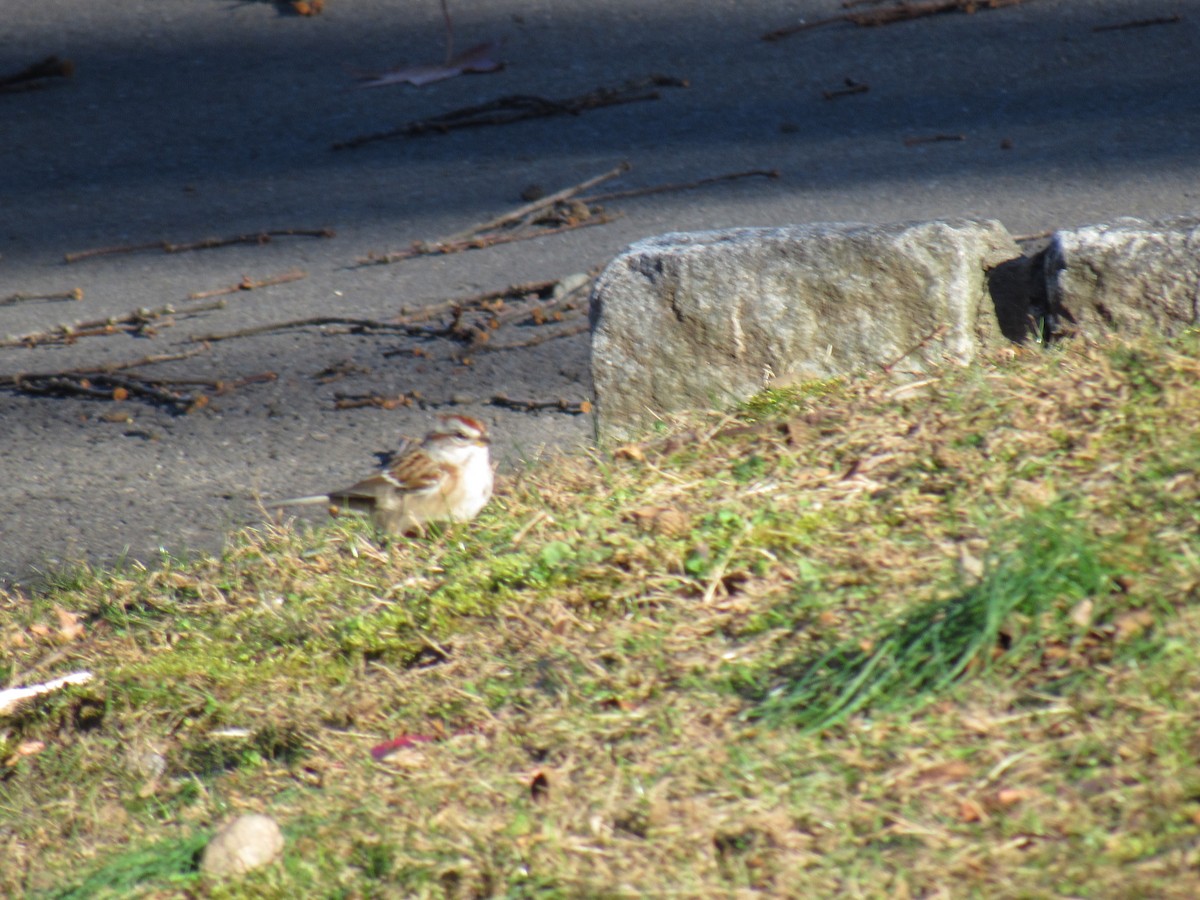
column 704, row 320
column 1128, row 275
column 246, row 843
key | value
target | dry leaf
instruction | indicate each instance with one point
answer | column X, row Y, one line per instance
column 943, row 773
column 405, row 741
column 1081, row 615
column 630, row 451
column 1131, row 624
column 969, row 811
column 539, row 787
column 1006, row 797
column 23, row 749
column 971, row 564
column 476, row 59
column 661, row 520
column 69, row 627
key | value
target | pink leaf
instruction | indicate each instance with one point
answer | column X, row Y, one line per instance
column 479, row 58
column 379, row 751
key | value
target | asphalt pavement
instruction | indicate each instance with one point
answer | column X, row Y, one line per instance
column 191, row 119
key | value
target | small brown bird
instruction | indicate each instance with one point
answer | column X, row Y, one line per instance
column 446, row 476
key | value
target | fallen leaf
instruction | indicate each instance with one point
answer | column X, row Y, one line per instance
column 969, row 811
column 477, row 59
column 69, row 627
column 617, row 703
column 798, row 433
column 1081, row 615
column 1006, row 797
column 1131, row 624
column 954, row 770
column 630, row 451
column 25, row 748
column 662, row 520
column 539, row 787
column 379, row 751
column 971, row 564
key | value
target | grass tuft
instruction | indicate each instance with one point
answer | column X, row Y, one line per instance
column 1031, row 581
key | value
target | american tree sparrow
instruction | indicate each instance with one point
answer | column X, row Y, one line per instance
column 446, row 476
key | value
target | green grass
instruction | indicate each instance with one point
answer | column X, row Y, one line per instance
column 1021, row 602
column 859, row 640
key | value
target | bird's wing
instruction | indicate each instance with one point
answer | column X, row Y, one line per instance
column 413, row 473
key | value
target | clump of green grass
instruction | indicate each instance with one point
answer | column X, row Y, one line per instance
column 168, row 862
column 1050, row 565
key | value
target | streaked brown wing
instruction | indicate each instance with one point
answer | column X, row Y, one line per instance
column 414, row 473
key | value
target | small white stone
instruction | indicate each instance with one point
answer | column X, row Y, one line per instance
column 571, row 283
column 246, row 843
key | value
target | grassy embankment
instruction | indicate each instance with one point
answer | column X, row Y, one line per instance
column 855, row 640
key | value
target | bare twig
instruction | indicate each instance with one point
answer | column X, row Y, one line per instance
column 574, row 407
column 932, row 139
column 852, row 87
column 678, row 186
column 516, row 108
column 936, row 335
column 141, row 321
column 537, row 288
column 247, row 285
column 37, row 75
column 261, row 237
column 540, row 338
column 311, row 322
column 523, row 212
column 905, row 11
column 13, row 299
column 553, row 214
column 420, row 248
column 103, row 383
column 1141, row 23
column 379, row 401
column 96, row 386
column 449, row 32
column 10, row 380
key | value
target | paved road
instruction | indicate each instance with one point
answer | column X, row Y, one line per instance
column 192, row 118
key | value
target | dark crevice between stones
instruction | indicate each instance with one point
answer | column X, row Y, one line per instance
column 1024, row 310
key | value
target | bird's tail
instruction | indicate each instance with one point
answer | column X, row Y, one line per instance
column 314, row 500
